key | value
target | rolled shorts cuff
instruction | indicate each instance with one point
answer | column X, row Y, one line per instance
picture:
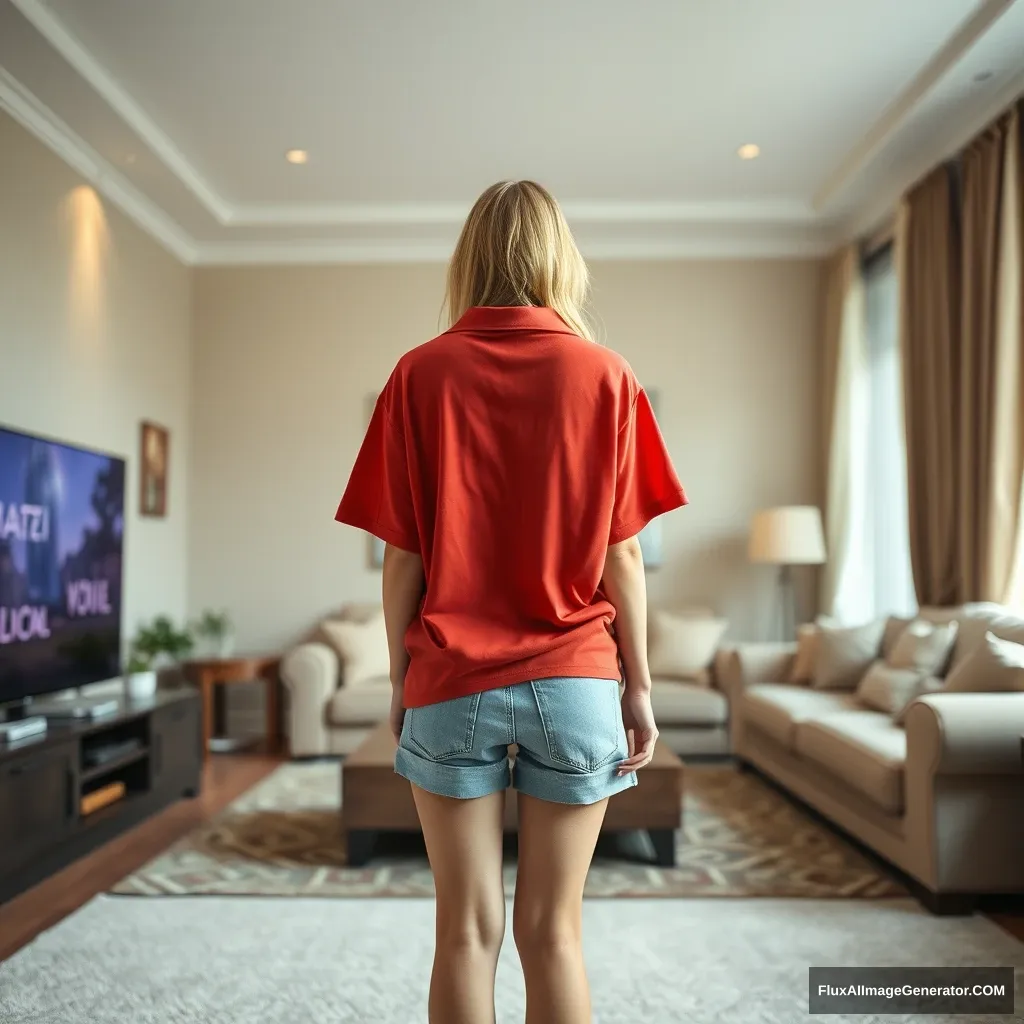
column 569, row 787
column 461, row 782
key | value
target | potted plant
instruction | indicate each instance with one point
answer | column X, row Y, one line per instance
column 153, row 647
column 217, row 633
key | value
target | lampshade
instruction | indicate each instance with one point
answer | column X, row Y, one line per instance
column 791, row 535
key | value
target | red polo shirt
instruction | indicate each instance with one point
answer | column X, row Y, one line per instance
column 509, row 453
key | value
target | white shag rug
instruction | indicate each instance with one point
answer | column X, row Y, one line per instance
column 224, row 960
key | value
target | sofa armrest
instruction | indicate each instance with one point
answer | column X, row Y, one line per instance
column 967, row 733
column 310, row 673
column 745, row 664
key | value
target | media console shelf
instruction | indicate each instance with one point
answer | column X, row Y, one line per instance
column 43, row 780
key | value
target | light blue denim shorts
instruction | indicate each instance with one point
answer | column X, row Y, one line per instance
column 569, row 733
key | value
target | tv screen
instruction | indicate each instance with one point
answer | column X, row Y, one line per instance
column 61, row 542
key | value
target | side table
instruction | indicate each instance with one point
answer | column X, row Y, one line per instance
column 208, row 673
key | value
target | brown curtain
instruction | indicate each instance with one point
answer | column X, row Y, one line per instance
column 927, row 242
column 962, row 344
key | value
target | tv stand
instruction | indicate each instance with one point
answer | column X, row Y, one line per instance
column 45, row 782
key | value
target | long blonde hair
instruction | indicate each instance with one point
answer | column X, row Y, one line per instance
column 516, row 249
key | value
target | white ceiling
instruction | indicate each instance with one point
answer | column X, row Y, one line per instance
column 630, row 112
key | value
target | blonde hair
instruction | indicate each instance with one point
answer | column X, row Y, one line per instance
column 516, row 249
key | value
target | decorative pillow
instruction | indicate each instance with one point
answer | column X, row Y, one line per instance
column 806, row 649
column 889, row 689
column 924, row 647
column 844, row 654
column 681, row 647
column 894, row 627
column 994, row 666
column 362, row 648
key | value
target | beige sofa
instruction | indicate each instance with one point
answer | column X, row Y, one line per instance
column 941, row 798
column 326, row 717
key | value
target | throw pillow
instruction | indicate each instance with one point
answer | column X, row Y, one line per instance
column 889, row 689
column 994, row 666
column 894, row 627
column 924, row 647
column 925, row 684
column 681, row 647
column 362, row 648
column 802, row 670
column 844, row 654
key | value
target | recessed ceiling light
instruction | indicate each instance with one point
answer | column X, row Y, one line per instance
column 750, row 151
column 296, row 156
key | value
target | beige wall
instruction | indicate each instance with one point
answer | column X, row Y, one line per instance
column 286, row 357
column 94, row 337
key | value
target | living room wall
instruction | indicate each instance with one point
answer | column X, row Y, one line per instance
column 94, row 337
column 286, row 359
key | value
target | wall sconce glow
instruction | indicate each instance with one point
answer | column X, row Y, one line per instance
column 749, row 151
column 296, row 156
column 90, row 243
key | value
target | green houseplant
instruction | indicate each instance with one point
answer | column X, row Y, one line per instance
column 154, row 646
column 215, row 631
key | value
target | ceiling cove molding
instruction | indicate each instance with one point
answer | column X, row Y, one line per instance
column 54, row 133
column 764, row 212
column 901, row 108
column 956, row 134
column 79, row 58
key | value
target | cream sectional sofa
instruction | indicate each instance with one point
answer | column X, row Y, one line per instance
column 941, row 797
column 326, row 716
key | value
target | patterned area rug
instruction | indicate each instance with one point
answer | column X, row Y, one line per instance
column 739, row 838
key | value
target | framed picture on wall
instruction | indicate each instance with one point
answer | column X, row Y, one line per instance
column 154, row 457
column 650, row 537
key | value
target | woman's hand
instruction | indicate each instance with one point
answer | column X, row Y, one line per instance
column 641, row 732
column 396, row 716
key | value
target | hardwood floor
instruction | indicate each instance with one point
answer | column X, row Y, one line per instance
column 224, row 778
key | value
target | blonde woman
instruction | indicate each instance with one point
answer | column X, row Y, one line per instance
column 509, row 465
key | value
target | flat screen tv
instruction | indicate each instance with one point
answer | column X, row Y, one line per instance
column 61, row 546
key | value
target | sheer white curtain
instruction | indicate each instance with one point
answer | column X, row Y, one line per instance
column 866, row 514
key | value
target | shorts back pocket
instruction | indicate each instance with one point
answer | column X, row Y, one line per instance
column 445, row 729
column 582, row 721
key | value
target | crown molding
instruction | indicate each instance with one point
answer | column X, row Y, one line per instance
column 903, row 106
column 957, row 133
column 74, row 151
column 78, row 57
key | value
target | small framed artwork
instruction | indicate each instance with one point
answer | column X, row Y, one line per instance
column 650, row 537
column 154, row 456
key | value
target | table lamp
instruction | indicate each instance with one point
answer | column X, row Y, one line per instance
column 787, row 536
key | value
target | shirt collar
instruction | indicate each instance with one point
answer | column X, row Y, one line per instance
column 511, row 318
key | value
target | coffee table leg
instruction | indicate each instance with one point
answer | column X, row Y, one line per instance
column 664, row 840
column 359, row 844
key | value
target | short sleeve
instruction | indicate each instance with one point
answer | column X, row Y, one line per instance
column 378, row 497
column 646, row 485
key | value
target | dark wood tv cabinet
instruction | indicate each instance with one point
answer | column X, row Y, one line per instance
column 43, row 780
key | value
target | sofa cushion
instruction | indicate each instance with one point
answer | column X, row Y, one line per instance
column 888, row 689
column 777, row 708
column 678, row 703
column 361, row 646
column 844, row 654
column 682, row 645
column 862, row 748
column 994, row 666
column 924, row 647
column 361, row 705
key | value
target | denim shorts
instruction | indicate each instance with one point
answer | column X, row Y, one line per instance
column 568, row 730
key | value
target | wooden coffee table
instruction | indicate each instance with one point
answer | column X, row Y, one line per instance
column 375, row 799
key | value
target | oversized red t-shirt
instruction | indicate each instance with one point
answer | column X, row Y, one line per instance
column 509, row 453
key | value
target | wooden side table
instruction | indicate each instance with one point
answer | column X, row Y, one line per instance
column 208, row 673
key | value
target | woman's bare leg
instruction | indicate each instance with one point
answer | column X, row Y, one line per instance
column 556, row 845
column 463, row 840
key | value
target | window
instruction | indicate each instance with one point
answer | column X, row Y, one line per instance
column 888, row 578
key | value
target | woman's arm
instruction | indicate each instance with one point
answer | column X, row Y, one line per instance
column 403, row 591
column 626, row 586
